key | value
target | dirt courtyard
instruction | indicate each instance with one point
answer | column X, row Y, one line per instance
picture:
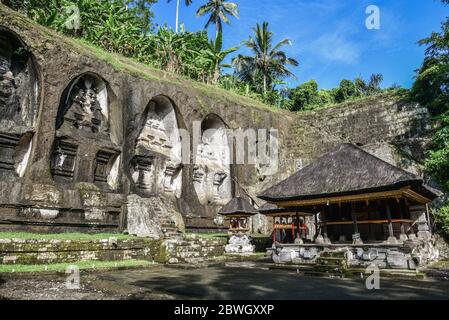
column 220, row 282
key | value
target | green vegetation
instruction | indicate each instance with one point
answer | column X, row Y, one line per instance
column 82, row 265
column 62, row 236
column 431, row 89
column 307, row 97
column 125, row 27
column 218, row 11
column 268, row 63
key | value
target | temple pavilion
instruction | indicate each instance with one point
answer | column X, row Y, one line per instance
column 353, row 197
column 238, row 210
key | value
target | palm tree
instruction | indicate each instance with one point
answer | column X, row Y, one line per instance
column 213, row 58
column 219, row 11
column 187, row 2
column 268, row 64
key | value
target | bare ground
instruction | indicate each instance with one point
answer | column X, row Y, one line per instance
column 237, row 282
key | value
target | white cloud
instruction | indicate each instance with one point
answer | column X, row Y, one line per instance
column 336, row 48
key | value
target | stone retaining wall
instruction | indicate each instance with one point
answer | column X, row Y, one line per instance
column 194, row 249
column 17, row 251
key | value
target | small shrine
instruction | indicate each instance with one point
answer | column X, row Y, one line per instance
column 238, row 211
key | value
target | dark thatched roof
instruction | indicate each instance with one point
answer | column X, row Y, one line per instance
column 238, row 206
column 345, row 170
column 273, row 210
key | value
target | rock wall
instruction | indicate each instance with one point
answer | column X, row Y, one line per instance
column 97, row 140
column 194, row 249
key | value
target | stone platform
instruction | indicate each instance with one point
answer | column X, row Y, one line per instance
column 407, row 255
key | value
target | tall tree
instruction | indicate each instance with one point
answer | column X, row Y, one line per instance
column 178, row 4
column 269, row 62
column 218, row 11
column 142, row 9
column 214, row 56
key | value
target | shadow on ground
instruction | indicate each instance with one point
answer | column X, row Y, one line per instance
column 242, row 283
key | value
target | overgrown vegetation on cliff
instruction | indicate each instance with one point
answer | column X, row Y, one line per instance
column 125, row 27
column 431, row 88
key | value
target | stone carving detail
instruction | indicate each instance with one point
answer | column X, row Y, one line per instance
column 85, row 150
column 211, row 173
column 102, row 166
column 85, row 111
column 144, row 172
column 157, row 164
column 154, row 135
column 9, row 101
column 63, row 160
column 18, row 90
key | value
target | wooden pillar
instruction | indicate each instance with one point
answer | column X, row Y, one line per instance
column 390, row 224
column 274, row 229
column 401, row 210
column 298, row 231
column 324, row 218
column 354, row 219
column 355, row 240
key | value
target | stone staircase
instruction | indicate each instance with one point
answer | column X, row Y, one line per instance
column 164, row 210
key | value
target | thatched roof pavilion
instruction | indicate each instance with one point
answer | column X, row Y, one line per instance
column 347, row 170
column 355, row 193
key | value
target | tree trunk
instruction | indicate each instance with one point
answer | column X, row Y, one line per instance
column 264, row 84
column 177, row 15
column 216, row 75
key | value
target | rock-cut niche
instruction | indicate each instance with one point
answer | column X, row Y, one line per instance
column 212, row 170
column 157, row 166
column 18, row 105
column 85, row 147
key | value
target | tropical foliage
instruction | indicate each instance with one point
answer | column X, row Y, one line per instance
column 269, row 63
column 125, row 27
column 431, row 88
column 218, row 11
column 307, row 96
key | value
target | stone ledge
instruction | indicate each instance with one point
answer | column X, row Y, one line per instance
column 30, row 251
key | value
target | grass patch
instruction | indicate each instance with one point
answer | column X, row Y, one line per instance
column 62, row 236
column 82, row 265
column 442, row 264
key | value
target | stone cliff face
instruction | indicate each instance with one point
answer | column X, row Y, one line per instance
column 90, row 141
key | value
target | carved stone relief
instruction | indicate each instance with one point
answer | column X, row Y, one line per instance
column 18, row 105
column 211, row 173
column 85, row 111
column 157, row 163
column 83, row 149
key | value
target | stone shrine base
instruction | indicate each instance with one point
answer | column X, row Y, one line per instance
column 407, row 255
column 240, row 244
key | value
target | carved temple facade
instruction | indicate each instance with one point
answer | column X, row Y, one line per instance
column 89, row 145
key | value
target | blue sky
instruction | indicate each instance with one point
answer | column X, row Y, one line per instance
column 329, row 37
